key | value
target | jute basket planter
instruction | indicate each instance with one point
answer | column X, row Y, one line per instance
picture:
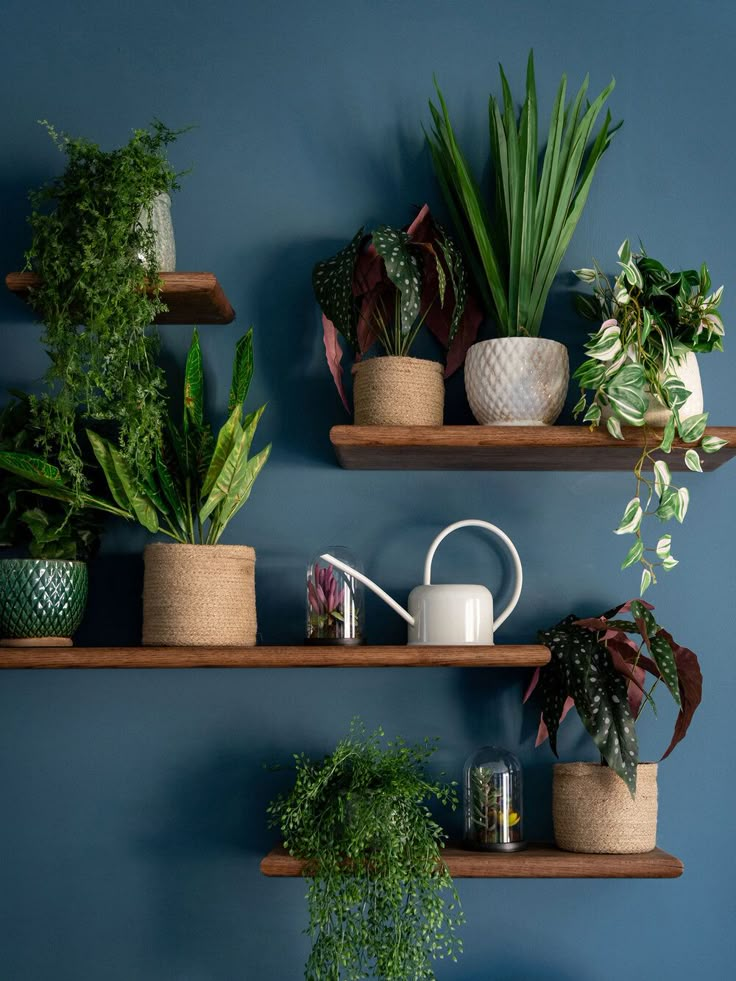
column 390, row 391
column 593, row 810
column 199, row 595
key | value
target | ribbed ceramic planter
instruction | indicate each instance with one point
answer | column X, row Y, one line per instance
column 517, row 381
column 594, row 812
column 42, row 601
column 199, row 596
column 163, row 227
column 389, row 391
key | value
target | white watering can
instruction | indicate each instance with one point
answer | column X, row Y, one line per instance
column 447, row 614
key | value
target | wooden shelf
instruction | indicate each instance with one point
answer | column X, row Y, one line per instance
column 496, row 656
column 192, row 297
column 535, row 862
column 502, row 448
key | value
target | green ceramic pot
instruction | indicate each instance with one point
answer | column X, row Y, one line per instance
column 41, row 598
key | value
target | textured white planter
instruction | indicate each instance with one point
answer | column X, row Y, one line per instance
column 161, row 223
column 594, row 812
column 517, row 381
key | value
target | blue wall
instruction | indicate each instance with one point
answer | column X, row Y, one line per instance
column 132, row 816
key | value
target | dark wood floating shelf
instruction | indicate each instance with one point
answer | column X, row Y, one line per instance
column 502, row 448
column 496, row 656
column 535, row 862
column 192, row 297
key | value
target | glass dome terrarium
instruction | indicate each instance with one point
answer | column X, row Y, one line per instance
column 492, row 793
column 335, row 611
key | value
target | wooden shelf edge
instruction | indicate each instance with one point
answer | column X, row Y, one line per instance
column 503, row 448
column 269, row 656
column 192, row 297
column 538, row 861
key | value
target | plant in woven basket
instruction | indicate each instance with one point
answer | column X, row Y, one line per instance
column 382, row 288
column 46, row 528
column 99, row 291
column 599, row 666
column 381, row 901
column 652, row 319
column 515, row 247
column 195, row 483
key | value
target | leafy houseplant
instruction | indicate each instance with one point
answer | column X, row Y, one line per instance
column 599, row 666
column 515, row 248
column 382, row 288
column 381, row 902
column 642, row 371
column 95, row 254
column 42, row 596
column 193, row 488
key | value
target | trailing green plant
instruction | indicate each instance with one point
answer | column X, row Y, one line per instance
column 381, row 901
column 98, row 293
column 195, row 484
column 382, row 288
column 515, row 246
column 652, row 318
column 47, row 529
column 599, row 666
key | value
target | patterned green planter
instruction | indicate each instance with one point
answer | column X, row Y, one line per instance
column 41, row 599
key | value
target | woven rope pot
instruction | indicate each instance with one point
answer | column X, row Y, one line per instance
column 594, row 812
column 391, row 391
column 199, row 596
column 42, row 601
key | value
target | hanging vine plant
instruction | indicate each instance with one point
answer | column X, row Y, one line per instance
column 99, row 291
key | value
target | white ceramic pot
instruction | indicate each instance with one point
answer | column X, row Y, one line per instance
column 517, row 381
column 163, row 227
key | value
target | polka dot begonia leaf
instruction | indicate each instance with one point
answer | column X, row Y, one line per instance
column 404, row 271
column 333, row 286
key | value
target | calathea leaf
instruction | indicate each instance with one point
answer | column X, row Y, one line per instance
column 193, row 385
column 102, row 451
column 243, row 483
column 402, row 266
column 32, row 468
column 170, row 491
column 122, row 484
column 242, row 371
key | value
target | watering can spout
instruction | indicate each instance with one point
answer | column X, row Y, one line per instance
column 344, row 567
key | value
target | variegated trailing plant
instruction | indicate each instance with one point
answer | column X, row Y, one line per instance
column 599, row 666
column 652, row 318
column 515, row 245
column 196, row 483
column 382, row 288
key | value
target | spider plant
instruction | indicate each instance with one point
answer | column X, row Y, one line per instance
column 516, row 248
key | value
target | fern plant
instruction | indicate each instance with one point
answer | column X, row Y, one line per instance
column 99, row 291
column 381, row 902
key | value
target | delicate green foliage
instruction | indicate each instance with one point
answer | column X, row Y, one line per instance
column 50, row 528
column 98, row 294
column 652, row 318
column 603, row 671
column 381, row 901
column 516, row 250
column 631, row 519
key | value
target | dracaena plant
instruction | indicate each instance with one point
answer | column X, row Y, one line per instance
column 381, row 901
column 383, row 287
column 195, row 484
column 599, row 667
column 652, row 318
column 516, row 244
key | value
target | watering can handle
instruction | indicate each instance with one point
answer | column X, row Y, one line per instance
column 477, row 523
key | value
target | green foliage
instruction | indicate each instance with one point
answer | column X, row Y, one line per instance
column 49, row 529
column 597, row 665
column 377, row 895
column 193, row 486
column 652, row 318
column 516, row 248
column 98, row 294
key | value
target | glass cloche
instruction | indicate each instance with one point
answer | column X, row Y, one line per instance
column 492, row 794
column 335, row 608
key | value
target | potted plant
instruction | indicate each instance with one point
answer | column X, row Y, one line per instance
column 43, row 595
column 381, row 901
column 195, row 591
column 98, row 241
column 599, row 667
column 515, row 248
column 378, row 292
column 642, row 371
